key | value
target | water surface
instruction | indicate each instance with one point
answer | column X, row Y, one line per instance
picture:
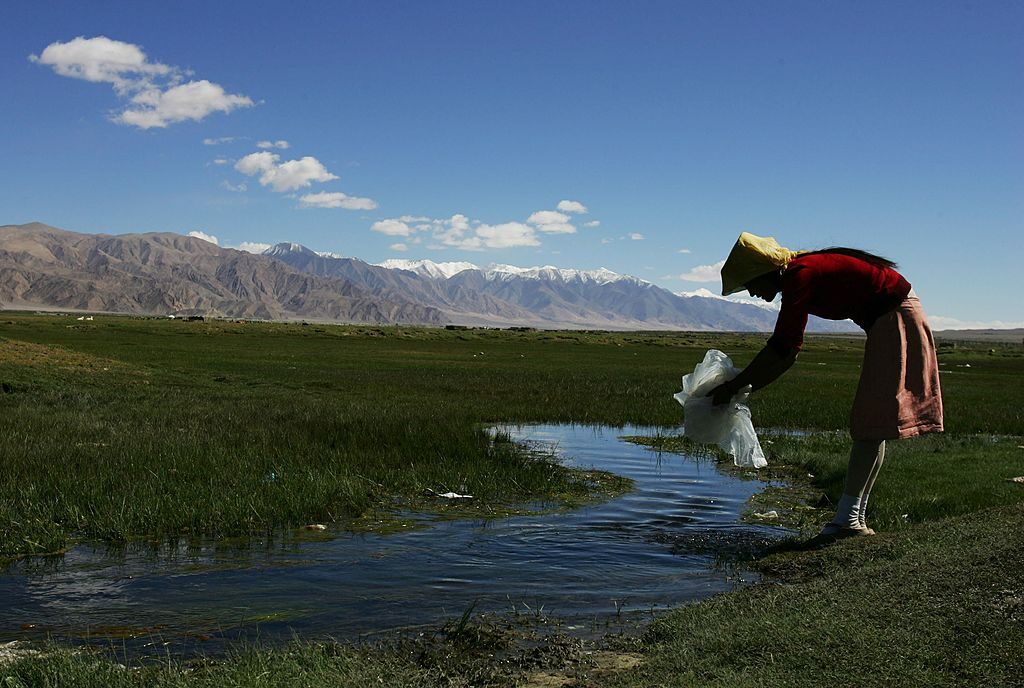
column 660, row 545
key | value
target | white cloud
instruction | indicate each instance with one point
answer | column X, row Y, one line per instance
column 507, row 235
column 606, row 241
column 635, row 236
column 240, row 188
column 392, row 228
column 255, row 163
column 399, row 247
column 282, row 144
column 572, row 207
column 336, row 199
column 157, row 96
column 252, row 247
column 592, row 223
column 205, row 237
column 704, row 273
column 459, row 231
column 542, row 217
column 551, row 222
column 103, row 60
column 221, row 161
column 218, row 141
column 684, row 250
column 286, row 176
column 194, row 100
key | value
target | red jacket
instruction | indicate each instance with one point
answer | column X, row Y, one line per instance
column 835, row 287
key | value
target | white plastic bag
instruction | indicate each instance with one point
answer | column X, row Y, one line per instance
column 727, row 425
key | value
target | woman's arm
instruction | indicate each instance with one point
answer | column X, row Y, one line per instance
column 766, row 367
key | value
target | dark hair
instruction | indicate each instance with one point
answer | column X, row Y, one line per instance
column 857, row 253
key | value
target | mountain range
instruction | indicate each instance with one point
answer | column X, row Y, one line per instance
column 166, row 273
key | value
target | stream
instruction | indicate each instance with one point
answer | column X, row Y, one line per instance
column 667, row 542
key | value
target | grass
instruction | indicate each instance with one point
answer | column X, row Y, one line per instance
column 123, row 428
column 163, row 429
column 940, row 606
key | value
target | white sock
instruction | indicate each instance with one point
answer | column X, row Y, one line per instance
column 862, row 511
column 848, row 513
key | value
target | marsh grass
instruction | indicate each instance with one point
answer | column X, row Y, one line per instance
column 128, row 428
column 123, row 427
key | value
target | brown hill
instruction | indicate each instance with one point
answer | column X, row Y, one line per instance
column 162, row 273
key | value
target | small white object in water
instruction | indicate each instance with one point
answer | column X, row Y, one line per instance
column 447, row 495
column 315, row 526
column 454, row 495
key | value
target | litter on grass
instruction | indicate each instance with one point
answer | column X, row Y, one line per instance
column 447, row 495
column 727, row 425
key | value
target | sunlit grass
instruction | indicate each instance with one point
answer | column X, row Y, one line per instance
column 128, row 427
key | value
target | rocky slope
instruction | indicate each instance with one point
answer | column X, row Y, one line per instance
column 165, row 273
column 41, row 266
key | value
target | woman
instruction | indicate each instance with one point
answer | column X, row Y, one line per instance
column 898, row 395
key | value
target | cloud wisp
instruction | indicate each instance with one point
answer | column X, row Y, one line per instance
column 336, row 199
column 283, row 176
column 293, row 175
column 252, row 247
column 704, row 273
column 205, row 237
column 551, row 222
column 458, row 231
column 158, row 95
column 572, row 207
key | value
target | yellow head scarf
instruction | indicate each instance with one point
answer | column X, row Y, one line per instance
column 751, row 257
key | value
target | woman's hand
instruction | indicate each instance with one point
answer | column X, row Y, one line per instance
column 763, row 370
column 722, row 394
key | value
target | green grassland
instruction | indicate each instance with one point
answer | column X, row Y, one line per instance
column 122, row 428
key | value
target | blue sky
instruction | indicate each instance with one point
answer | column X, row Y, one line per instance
column 481, row 131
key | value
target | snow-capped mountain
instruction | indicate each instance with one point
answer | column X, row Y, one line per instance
column 551, row 273
column 162, row 273
column 497, row 271
column 548, row 296
column 288, row 249
column 428, row 268
column 708, row 294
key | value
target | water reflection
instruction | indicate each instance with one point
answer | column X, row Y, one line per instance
column 651, row 548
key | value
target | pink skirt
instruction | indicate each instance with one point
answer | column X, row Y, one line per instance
column 898, row 394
